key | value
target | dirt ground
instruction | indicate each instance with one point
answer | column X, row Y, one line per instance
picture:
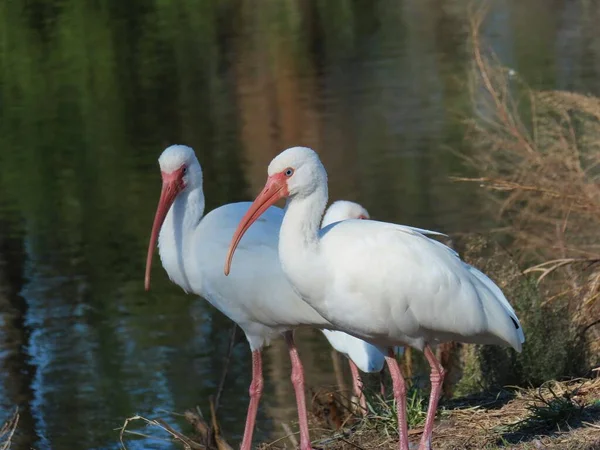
column 558, row 416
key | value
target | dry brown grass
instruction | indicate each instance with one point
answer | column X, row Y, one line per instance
column 206, row 436
column 556, row 416
column 7, row 430
column 539, row 156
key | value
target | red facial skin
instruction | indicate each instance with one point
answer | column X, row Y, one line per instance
column 275, row 189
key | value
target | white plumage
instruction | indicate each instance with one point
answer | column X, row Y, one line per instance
column 425, row 293
column 367, row 357
column 257, row 295
column 361, row 355
column 386, row 283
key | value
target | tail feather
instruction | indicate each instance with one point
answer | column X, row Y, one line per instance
column 499, row 317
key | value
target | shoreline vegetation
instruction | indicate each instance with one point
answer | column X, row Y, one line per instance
column 536, row 157
column 556, row 415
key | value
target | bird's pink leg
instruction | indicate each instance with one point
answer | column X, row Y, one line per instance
column 400, row 395
column 357, row 387
column 437, row 378
column 256, row 389
column 298, row 382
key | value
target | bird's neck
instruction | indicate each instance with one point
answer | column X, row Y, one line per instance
column 299, row 243
column 175, row 239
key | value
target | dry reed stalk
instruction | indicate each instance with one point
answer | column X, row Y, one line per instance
column 539, row 156
column 8, row 429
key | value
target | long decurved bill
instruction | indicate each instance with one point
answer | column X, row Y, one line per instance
column 274, row 190
column 172, row 185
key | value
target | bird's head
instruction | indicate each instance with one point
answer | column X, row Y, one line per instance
column 180, row 168
column 295, row 173
column 344, row 210
column 180, row 171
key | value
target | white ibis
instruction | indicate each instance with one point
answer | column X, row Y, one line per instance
column 257, row 295
column 388, row 284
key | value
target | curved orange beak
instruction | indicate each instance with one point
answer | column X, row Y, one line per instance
column 172, row 185
column 274, row 190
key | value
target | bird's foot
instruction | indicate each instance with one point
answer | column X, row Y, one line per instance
column 411, row 446
column 425, row 445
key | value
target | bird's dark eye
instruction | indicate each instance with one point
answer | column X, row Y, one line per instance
column 184, row 170
column 289, row 172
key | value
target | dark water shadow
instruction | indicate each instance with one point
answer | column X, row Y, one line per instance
column 16, row 371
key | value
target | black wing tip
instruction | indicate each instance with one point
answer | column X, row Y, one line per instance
column 515, row 322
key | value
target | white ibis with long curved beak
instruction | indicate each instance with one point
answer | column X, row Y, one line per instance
column 388, row 284
column 257, row 295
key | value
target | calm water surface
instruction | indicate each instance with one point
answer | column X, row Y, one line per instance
column 90, row 94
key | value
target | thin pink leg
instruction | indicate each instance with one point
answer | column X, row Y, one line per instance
column 437, row 378
column 400, row 396
column 357, row 387
column 256, row 389
column 298, row 382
